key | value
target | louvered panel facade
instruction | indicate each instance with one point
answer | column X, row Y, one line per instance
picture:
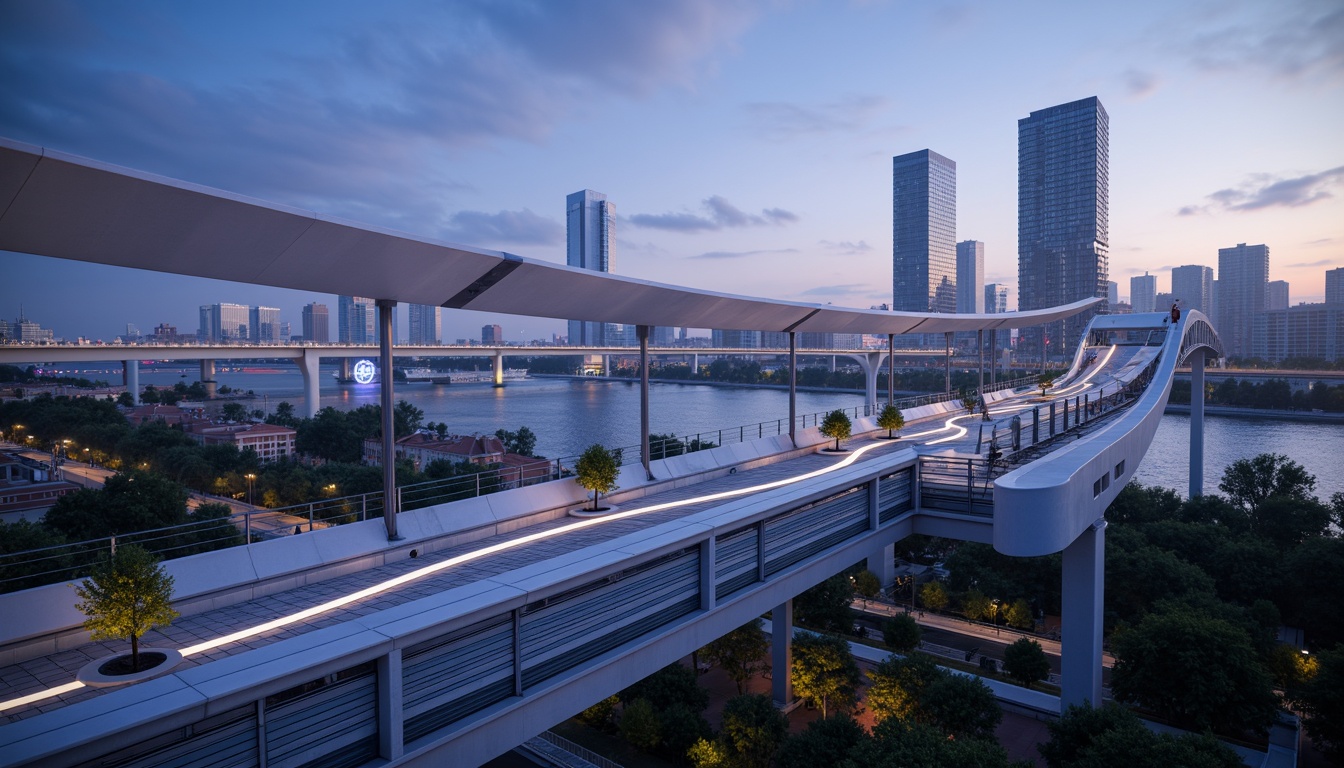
column 452, row 676
column 797, row 535
column 227, row 740
column 895, row 495
column 568, row 629
column 334, row 724
column 734, row 562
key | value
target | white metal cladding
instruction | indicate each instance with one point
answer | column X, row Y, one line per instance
column 794, row 536
column 735, row 563
column 563, row 631
column 60, row 205
column 454, row 675
column 895, row 495
column 226, row 740
column 335, row 724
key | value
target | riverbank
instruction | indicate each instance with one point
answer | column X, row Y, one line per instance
column 1261, row 413
column 706, row 383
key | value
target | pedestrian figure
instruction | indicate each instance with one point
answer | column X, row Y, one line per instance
column 1175, row 314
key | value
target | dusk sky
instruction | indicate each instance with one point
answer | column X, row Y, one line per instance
column 746, row 146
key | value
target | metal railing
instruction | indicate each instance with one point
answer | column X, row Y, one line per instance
column 589, row 757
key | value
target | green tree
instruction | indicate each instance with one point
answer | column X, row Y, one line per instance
column 601, row 715
column 1322, row 703
column 961, row 706
column 898, row 683
column 128, row 502
column 671, row 685
column 1025, row 661
column 1114, row 736
column 126, row 400
column 901, row 633
column 890, row 419
column 233, row 411
column 705, row 753
column 933, row 596
column 1199, row 671
column 406, row 418
column 126, row 596
column 752, row 729
column 826, row 606
column 827, row 741
column 1045, row 381
column 21, row 536
column 901, row 744
column 740, row 653
column 596, row 471
column 824, row 671
column 837, row 426
column 1319, row 612
column 284, row 415
column 640, row 726
column 1018, row 614
column 681, row 728
column 522, row 442
column 976, row 605
column 1250, row 482
column 867, row 585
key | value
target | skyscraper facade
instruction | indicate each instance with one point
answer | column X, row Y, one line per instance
column 1143, row 293
column 1276, row 295
column 1243, row 285
column 263, row 324
column 590, row 235
column 924, row 232
column 970, row 277
column 315, row 326
column 225, row 322
column 356, row 320
column 1063, row 167
column 996, row 303
column 1192, row 285
column 1334, row 286
column 492, row 334
column 1112, row 293
column 422, row 321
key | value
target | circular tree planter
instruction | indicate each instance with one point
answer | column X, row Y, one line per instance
column 111, row 671
column 599, row 512
column 836, row 451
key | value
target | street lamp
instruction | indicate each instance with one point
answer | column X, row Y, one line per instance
column 250, row 477
column 995, row 605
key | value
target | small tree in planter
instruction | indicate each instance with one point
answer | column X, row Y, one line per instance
column 836, row 425
column 890, row 419
column 596, row 471
column 1045, row 381
column 129, row 594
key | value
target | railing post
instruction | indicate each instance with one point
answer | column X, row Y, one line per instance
column 1035, row 424
column 113, row 539
column 363, row 507
column 1052, row 418
column 478, row 483
column 310, row 517
column 970, row 484
column 247, row 527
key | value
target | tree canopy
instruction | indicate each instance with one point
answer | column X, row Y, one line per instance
column 740, row 653
column 837, row 426
column 126, row 596
column 596, row 470
column 1025, row 661
column 824, row 671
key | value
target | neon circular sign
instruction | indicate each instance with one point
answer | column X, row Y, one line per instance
column 364, row 372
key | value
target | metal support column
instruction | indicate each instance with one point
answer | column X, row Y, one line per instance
column 642, row 333
column 891, row 368
column 390, row 498
column 793, row 386
column 980, row 359
column 781, row 653
column 1197, row 424
column 1080, row 647
column 947, row 364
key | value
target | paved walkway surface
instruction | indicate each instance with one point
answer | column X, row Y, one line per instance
column 60, row 668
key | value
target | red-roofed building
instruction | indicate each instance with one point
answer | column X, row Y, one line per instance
column 271, row 442
column 422, row 448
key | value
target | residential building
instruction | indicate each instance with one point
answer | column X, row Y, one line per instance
column 971, row 277
column 1243, row 286
column 356, row 320
column 423, row 448
column 774, row 340
column 264, row 324
column 165, row 334
column 492, row 334
column 662, row 336
column 315, row 326
column 590, row 240
column 271, row 442
column 225, row 323
column 1063, row 185
column 924, row 231
column 1307, row 330
column 423, row 325
column 816, row 340
column 1276, row 295
column 1334, row 286
column 1192, row 285
column 1143, row 293
column 1112, row 292
column 734, row 339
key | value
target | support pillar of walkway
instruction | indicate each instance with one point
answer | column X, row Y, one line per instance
column 390, row 499
column 871, row 363
column 642, row 333
column 891, row 368
column 781, row 653
column 312, row 382
column 1197, row 424
column 793, row 387
column 993, row 358
column 980, row 358
column 130, row 375
column 391, row 718
column 499, row 368
column 1080, row 646
column 208, row 377
column 947, row 363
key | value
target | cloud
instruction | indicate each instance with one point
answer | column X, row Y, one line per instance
column 522, row 227
column 1139, row 83
column 846, row 289
column 1322, row 241
column 1266, row 191
column 786, row 120
column 1313, row 264
column 740, row 254
column 720, row 214
column 1285, row 42
column 847, row 247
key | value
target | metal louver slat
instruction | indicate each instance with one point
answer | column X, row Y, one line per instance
column 227, row 740
column 334, row 724
column 796, row 535
column 895, row 495
column 450, row 677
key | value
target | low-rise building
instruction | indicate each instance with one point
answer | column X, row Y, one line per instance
column 28, row 488
column 1306, row 330
column 271, row 442
column 425, row 447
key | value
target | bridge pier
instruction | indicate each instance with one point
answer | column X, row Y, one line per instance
column 345, row 369
column 695, row 363
column 499, row 368
column 130, row 374
column 1081, row 625
column 208, row 377
column 312, row 384
column 1197, row 424
column 781, row 653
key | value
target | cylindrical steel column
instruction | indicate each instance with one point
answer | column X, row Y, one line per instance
column 793, row 386
column 390, row 505
column 947, row 364
column 891, row 368
column 642, row 333
column 1197, row 424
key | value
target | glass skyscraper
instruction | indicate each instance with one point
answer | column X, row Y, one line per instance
column 924, row 232
column 590, row 239
column 1062, row 214
column 356, row 320
column 422, row 321
column 971, row 277
column 1192, row 286
column 1243, row 287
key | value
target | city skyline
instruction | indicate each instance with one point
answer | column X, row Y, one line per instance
column 748, row 146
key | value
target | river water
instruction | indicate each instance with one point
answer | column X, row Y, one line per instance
column 568, row 415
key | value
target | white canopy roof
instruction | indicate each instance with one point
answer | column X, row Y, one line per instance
column 68, row 207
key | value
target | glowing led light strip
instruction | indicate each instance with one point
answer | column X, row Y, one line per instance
column 419, row 573
column 1095, row 370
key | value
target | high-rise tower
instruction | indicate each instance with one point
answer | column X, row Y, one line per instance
column 1192, row 285
column 356, row 320
column 422, row 324
column 1143, row 293
column 1243, row 287
column 924, row 232
column 971, row 277
column 315, row 326
column 1062, row 213
column 590, row 239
